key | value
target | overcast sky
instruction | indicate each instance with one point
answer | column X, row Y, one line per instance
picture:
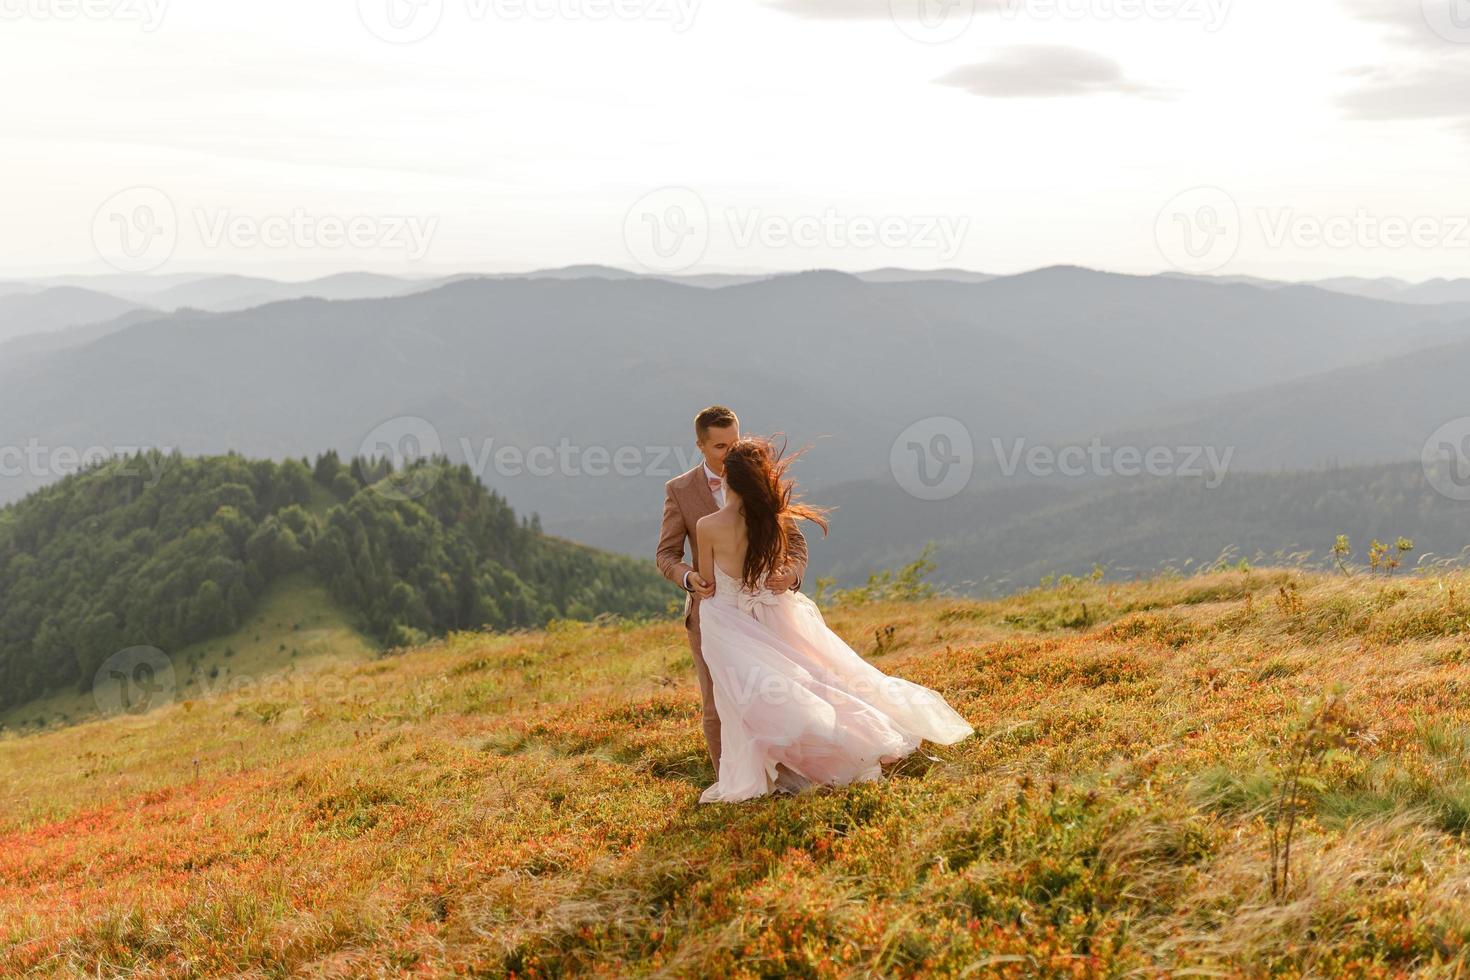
column 291, row 138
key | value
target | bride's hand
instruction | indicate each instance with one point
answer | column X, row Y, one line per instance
column 697, row 583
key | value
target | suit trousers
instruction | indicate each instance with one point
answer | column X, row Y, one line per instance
column 706, row 695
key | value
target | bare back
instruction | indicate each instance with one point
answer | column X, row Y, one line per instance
column 728, row 541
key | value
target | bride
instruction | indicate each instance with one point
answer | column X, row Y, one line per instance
column 798, row 707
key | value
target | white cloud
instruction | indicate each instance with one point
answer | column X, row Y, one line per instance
column 1427, row 71
column 1045, row 71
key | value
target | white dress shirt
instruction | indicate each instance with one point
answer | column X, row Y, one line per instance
column 710, row 474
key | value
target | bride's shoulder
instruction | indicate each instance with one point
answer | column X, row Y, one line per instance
column 716, row 521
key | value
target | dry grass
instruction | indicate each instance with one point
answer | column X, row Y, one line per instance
column 525, row 805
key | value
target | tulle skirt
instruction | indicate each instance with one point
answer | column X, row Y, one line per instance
column 798, row 706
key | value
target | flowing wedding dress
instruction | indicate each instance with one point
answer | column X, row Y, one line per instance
column 797, row 705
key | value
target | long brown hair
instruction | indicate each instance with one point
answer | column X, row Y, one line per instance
column 756, row 470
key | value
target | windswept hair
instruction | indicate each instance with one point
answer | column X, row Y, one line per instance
column 756, row 470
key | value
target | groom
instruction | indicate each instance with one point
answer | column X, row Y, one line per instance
column 687, row 498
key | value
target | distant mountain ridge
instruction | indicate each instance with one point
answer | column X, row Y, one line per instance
column 227, row 293
column 590, row 363
column 1397, row 290
column 1377, row 412
column 57, row 308
column 823, row 356
column 1006, row 534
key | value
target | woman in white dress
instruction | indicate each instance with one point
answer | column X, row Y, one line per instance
column 798, row 706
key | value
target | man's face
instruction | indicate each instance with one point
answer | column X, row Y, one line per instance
column 716, row 443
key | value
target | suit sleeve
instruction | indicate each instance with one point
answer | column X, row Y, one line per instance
column 671, row 537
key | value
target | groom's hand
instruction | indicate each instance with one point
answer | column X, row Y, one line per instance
column 781, row 580
column 699, row 586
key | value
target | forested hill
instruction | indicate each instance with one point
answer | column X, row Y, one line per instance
column 166, row 550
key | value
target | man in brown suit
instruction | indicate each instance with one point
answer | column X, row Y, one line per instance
column 687, row 498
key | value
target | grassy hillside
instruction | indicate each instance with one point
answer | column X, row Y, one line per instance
column 175, row 553
column 297, row 625
column 524, row 804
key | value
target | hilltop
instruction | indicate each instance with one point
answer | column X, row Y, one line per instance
column 525, row 804
column 188, row 560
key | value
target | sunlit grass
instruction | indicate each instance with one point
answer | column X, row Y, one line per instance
column 296, row 624
column 526, row 804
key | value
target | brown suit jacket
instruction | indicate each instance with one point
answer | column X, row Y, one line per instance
column 687, row 498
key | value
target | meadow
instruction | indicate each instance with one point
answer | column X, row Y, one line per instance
column 1243, row 772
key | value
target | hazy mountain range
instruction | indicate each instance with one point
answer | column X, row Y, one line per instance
column 222, row 293
column 1003, row 534
column 55, row 308
column 1284, row 376
column 1385, row 287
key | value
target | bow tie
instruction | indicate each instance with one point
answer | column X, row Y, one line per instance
column 715, row 483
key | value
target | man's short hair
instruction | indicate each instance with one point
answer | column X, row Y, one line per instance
column 714, row 417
